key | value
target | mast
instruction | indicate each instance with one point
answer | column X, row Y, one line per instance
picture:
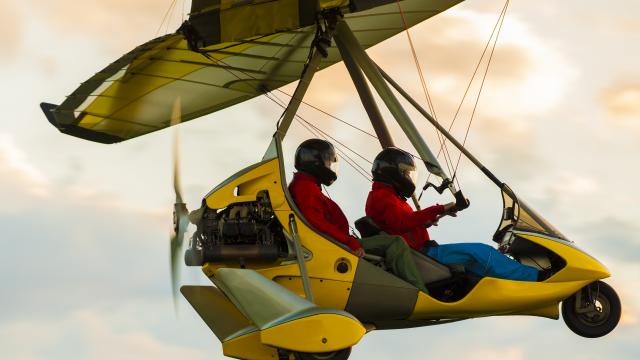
column 369, row 103
column 347, row 43
column 441, row 129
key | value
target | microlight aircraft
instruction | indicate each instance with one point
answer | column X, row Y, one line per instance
column 282, row 289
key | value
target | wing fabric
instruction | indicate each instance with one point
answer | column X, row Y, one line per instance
column 251, row 47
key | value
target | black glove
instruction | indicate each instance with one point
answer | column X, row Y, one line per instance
column 461, row 202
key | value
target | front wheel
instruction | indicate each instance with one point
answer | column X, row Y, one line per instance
column 592, row 312
column 334, row 355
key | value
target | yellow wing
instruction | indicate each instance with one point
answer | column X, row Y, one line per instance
column 246, row 48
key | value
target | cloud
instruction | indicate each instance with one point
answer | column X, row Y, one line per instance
column 11, row 30
column 85, row 274
column 528, row 76
column 120, row 24
column 622, row 101
column 507, row 353
column 18, row 174
column 86, row 334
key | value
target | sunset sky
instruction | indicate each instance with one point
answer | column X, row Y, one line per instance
column 85, row 262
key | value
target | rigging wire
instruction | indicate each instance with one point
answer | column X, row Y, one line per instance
column 299, row 118
column 486, row 47
column 330, row 115
column 484, row 77
column 497, row 27
column 317, row 132
column 166, row 14
column 442, row 141
column 269, row 95
column 266, row 93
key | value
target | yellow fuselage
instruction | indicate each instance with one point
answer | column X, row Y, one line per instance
column 332, row 289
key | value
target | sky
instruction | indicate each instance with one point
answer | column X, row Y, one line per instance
column 84, row 262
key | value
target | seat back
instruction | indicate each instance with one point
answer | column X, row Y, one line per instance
column 367, row 227
column 430, row 269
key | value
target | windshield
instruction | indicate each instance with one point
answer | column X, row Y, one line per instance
column 517, row 215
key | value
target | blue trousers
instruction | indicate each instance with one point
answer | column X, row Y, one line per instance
column 482, row 260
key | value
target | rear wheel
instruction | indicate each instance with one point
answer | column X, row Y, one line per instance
column 592, row 312
column 334, row 355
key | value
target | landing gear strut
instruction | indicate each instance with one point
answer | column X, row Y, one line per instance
column 592, row 312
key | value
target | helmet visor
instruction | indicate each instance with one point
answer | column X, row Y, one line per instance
column 332, row 164
column 409, row 172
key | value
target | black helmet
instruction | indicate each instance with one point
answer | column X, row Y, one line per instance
column 395, row 167
column 318, row 158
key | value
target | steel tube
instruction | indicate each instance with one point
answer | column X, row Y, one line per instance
column 306, row 284
column 369, row 103
column 441, row 129
column 345, row 38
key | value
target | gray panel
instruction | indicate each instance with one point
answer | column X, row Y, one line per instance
column 430, row 269
column 222, row 317
column 378, row 295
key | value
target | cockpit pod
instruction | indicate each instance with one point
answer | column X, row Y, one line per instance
column 594, row 310
column 532, row 240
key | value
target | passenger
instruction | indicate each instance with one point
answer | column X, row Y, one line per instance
column 387, row 206
column 315, row 160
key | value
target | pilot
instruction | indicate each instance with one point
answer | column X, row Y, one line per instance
column 316, row 163
column 387, row 205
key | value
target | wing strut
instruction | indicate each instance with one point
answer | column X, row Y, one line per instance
column 441, row 129
column 320, row 45
column 369, row 103
column 347, row 43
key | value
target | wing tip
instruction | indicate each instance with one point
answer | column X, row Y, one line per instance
column 49, row 111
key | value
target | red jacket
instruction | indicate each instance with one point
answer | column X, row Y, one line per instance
column 394, row 216
column 324, row 214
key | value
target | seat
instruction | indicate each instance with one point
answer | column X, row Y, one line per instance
column 367, row 227
column 430, row 269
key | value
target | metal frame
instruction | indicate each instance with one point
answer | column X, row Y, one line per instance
column 368, row 102
column 348, row 43
column 362, row 68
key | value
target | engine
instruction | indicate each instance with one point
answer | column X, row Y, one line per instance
column 242, row 231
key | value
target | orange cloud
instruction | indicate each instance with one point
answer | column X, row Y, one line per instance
column 622, row 101
column 121, row 24
column 10, row 30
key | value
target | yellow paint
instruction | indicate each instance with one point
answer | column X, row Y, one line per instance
column 265, row 177
column 117, row 98
column 580, row 265
column 325, row 254
column 240, row 22
column 330, row 293
column 328, row 4
column 317, row 333
column 551, row 311
column 493, row 296
column 249, row 347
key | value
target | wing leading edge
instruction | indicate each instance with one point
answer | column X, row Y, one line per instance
column 134, row 95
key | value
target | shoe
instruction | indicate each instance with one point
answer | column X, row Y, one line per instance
column 544, row 274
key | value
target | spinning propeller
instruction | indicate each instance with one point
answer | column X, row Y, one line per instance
column 180, row 212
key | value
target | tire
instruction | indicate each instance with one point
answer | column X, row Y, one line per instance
column 596, row 323
column 334, row 355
